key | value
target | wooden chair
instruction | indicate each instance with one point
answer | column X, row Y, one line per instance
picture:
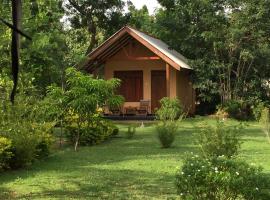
column 130, row 110
column 115, row 111
column 144, row 107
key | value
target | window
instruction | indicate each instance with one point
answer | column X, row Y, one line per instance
column 131, row 85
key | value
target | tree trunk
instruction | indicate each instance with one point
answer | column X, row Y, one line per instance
column 61, row 133
column 15, row 44
column 92, row 30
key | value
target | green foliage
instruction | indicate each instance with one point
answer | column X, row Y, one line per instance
column 29, row 142
column 265, row 122
column 237, row 109
column 116, row 102
column 231, row 56
column 166, row 133
column 78, row 103
column 219, row 140
column 5, row 152
column 104, row 18
column 99, row 131
column 257, row 110
column 30, row 136
column 131, row 131
column 170, row 109
column 220, row 179
column 24, row 148
column 139, row 18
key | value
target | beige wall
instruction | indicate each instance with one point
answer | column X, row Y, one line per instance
column 119, row 62
column 179, row 83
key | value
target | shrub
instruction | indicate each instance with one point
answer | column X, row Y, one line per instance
column 131, row 132
column 170, row 109
column 29, row 141
column 96, row 133
column 219, row 140
column 166, row 133
column 23, row 148
column 43, row 147
column 5, row 153
column 265, row 122
column 257, row 110
column 115, row 102
column 220, row 179
column 221, row 113
column 238, row 109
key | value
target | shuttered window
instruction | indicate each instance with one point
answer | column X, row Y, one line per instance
column 131, row 85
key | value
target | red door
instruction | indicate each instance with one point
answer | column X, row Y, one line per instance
column 158, row 88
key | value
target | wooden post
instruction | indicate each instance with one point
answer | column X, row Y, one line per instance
column 168, row 79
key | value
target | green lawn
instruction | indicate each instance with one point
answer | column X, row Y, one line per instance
column 120, row 168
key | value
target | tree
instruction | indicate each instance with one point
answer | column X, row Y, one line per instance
column 139, row 18
column 97, row 17
column 81, row 98
column 227, row 43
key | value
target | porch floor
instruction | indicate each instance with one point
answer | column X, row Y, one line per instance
column 130, row 117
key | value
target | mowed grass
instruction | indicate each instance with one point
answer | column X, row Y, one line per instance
column 121, row 168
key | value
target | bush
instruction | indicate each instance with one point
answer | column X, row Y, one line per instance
column 24, row 149
column 131, row 132
column 170, row 109
column 257, row 110
column 265, row 122
column 219, row 140
column 29, row 141
column 96, row 133
column 238, row 109
column 166, row 133
column 5, row 153
column 220, row 179
column 43, row 147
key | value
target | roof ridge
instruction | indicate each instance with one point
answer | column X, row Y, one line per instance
column 150, row 35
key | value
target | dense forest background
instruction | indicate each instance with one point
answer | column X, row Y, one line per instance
column 227, row 42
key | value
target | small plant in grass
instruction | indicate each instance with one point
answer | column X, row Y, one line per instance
column 220, row 178
column 257, row 110
column 166, row 133
column 169, row 113
column 265, row 122
column 131, row 132
column 219, row 140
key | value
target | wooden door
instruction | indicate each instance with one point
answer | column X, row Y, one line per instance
column 131, row 85
column 158, row 88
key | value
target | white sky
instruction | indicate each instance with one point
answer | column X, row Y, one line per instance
column 151, row 4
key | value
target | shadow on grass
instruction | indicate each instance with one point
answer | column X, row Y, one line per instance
column 126, row 184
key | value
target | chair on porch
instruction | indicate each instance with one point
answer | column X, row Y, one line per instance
column 115, row 111
column 130, row 110
column 144, row 107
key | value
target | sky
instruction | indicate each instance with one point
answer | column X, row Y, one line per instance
column 151, row 4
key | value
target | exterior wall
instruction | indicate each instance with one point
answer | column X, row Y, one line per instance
column 185, row 91
column 179, row 84
column 120, row 62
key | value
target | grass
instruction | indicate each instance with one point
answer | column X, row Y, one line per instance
column 120, row 168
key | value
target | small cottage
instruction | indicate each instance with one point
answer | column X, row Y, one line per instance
column 149, row 70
